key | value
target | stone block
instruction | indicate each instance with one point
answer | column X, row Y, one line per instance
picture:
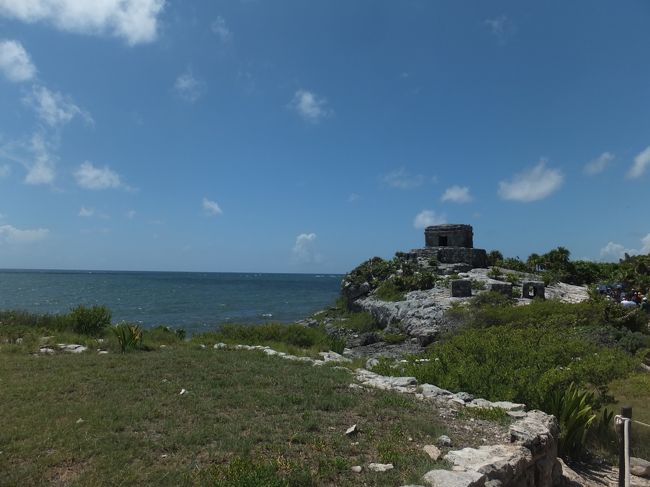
column 504, row 288
column 461, row 288
column 532, row 289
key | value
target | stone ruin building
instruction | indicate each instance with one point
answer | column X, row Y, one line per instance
column 451, row 244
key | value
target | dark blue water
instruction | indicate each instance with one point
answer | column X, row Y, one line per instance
column 191, row 300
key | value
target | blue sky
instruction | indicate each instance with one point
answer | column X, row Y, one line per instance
column 296, row 136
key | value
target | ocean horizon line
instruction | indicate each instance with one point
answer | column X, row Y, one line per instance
column 122, row 271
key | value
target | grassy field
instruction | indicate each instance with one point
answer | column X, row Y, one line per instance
column 246, row 419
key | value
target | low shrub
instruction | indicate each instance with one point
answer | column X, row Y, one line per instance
column 297, row 335
column 520, row 364
column 91, row 321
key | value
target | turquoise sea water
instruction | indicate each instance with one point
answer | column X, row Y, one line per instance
column 191, row 300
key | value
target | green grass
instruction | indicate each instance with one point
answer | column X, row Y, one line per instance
column 635, row 391
column 246, row 418
column 389, row 291
column 293, row 339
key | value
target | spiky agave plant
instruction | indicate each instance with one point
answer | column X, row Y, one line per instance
column 573, row 409
column 128, row 336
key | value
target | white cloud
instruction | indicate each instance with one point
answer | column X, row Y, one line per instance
column 41, row 170
column 533, row 184
column 615, row 251
column 599, row 164
column 135, row 21
column 188, row 87
column 426, row 218
column 310, row 106
column 130, row 214
column 220, row 28
column 641, row 163
column 211, row 208
column 457, row 194
column 304, row 250
column 11, row 234
column 86, row 212
column 501, row 27
column 5, row 170
column 90, row 177
column 401, row 179
column 15, row 63
column 54, row 108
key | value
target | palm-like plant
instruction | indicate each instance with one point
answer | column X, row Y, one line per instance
column 128, row 336
column 573, row 409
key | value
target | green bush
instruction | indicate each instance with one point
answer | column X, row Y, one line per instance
column 91, row 321
column 574, row 411
column 520, row 364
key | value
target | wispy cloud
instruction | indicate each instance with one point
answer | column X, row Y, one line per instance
column 501, row 27
column 189, row 87
column 599, row 164
column 641, row 163
column 11, row 234
column 221, row 29
column 135, row 21
column 5, row 170
column 304, row 250
column 615, row 251
column 211, row 208
column 41, row 170
column 310, row 106
column 15, row 63
column 131, row 214
column 54, row 108
column 402, row 179
column 426, row 218
column 533, row 184
column 86, row 212
column 35, row 155
column 97, row 178
column 457, row 194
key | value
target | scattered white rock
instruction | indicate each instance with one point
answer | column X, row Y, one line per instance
column 433, row 452
column 19, row 341
column 447, row 478
column 46, row 350
column 380, row 467
column 220, row 346
column 333, row 357
column 371, row 362
column 79, row 421
column 202, row 345
column 183, row 392
column 357, row 469
column 72, row 347
column 352, row 430
column 444, row 440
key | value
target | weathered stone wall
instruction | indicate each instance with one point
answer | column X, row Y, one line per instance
column 454, row 255
column 529, row 460
column 449, row 236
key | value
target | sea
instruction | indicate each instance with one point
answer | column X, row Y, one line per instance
column 194, row 301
